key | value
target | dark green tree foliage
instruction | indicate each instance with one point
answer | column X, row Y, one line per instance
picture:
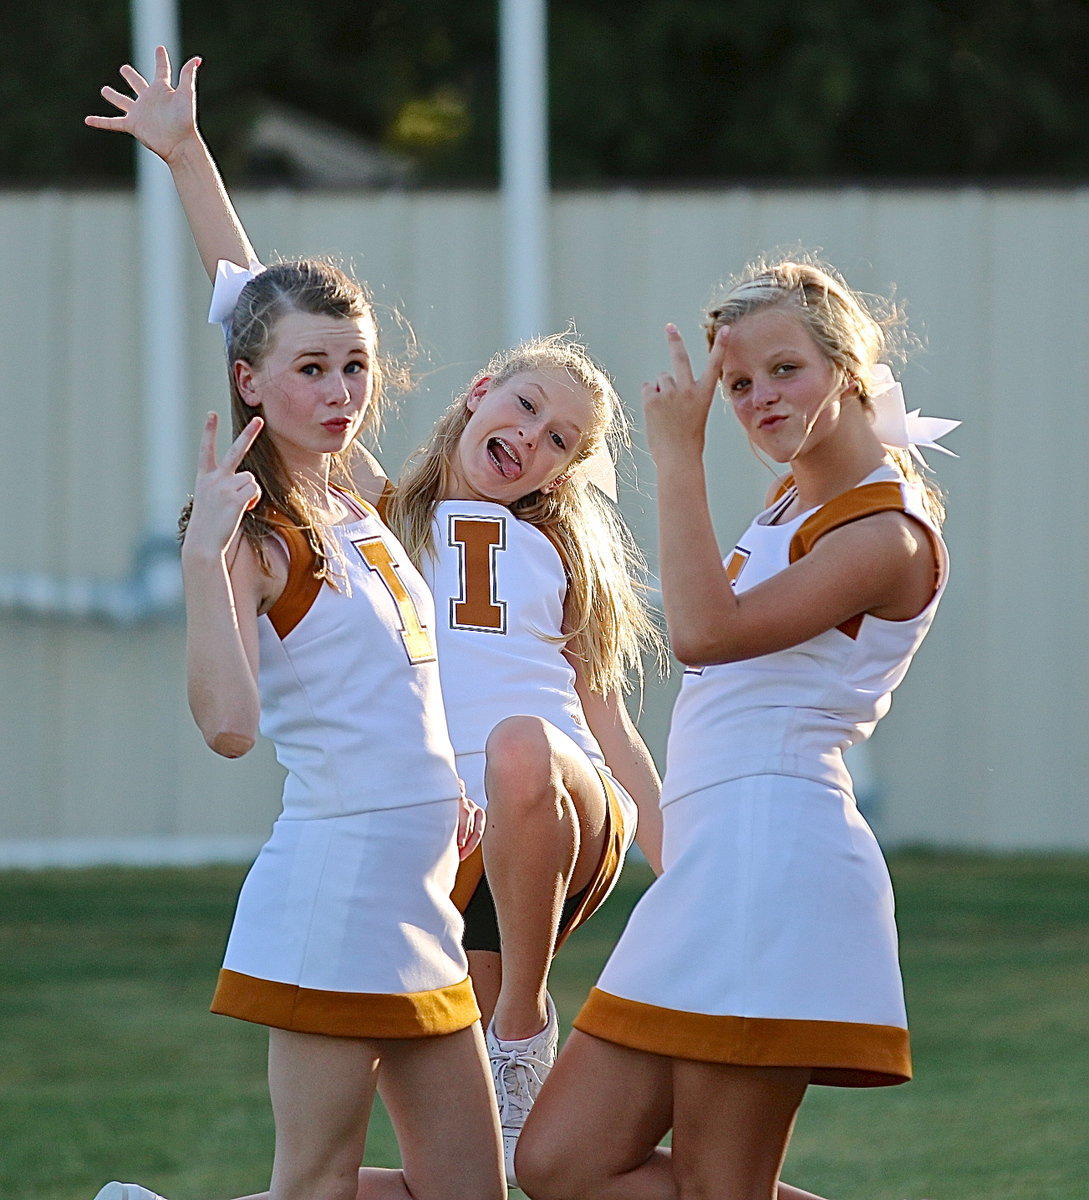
column 783, row 90
column 358, row 64
column 52, row 54
column 659, row 92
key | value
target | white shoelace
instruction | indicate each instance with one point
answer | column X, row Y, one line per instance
column 518, row 1079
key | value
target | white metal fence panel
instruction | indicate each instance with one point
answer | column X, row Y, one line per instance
column 985, row 745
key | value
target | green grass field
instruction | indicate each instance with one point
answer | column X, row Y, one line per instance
column 112, row 1067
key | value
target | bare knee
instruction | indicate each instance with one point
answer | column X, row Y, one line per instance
column 544, row 1173
column 549, row 1166
column 521, row 769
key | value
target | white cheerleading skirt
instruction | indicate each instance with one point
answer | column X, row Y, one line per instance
column 345, row 926
column 769, row 939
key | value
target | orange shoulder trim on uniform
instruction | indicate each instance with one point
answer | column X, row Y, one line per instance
column 302, row 585
column 382, row 504
column 864, row 501
column 781, row 488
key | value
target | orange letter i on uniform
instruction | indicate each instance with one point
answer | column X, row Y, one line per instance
column 478, row 606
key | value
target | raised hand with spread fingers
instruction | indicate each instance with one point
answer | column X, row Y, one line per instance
column 163, row 117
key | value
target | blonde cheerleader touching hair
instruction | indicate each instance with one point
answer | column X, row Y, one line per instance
column 539, row 625
column 764, row 958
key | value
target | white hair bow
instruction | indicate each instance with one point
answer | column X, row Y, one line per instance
column 600, row 470
column 895, row 426
column 229, row 281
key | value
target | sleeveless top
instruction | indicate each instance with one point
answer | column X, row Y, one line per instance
column 499, row 586
column 795, row 712
column 348, row 676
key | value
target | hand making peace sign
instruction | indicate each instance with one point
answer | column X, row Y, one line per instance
column 677, row 404
column 221, row 493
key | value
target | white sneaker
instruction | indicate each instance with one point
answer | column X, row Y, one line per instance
column 518, row 1069
column 126, row 1191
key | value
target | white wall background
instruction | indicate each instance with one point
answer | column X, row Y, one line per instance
column 985, row 746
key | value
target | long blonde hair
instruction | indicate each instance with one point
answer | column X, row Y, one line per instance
column 320, row 288
column 608, row 623
column 856, row 332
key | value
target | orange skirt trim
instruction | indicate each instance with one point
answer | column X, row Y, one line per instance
column 346, row 1014
column 467, row 880
column 840, row 1053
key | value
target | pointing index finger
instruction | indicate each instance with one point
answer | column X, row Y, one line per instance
column 678, row 355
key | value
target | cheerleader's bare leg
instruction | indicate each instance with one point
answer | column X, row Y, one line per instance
column 441, row 1101
column 731, row 1127
column 594, row 1133
column 547, row 815
column 439, row 1094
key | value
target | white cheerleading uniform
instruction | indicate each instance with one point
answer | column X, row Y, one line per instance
column 499, row 586
column 344, row 924
column 769, row 939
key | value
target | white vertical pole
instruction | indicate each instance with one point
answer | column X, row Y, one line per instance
column 523, row 118
column 162, row 236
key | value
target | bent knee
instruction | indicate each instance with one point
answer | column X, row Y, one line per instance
column 521, row 736
column 543, row 1174
column 519, row 756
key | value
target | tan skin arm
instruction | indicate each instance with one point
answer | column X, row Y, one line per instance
column 628, row 758
column 882, row 564
column 163, row 117
column 225, row 590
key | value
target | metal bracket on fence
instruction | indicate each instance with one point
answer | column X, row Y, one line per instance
column 152, row 589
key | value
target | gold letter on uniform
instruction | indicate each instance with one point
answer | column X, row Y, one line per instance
column 376, row 554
